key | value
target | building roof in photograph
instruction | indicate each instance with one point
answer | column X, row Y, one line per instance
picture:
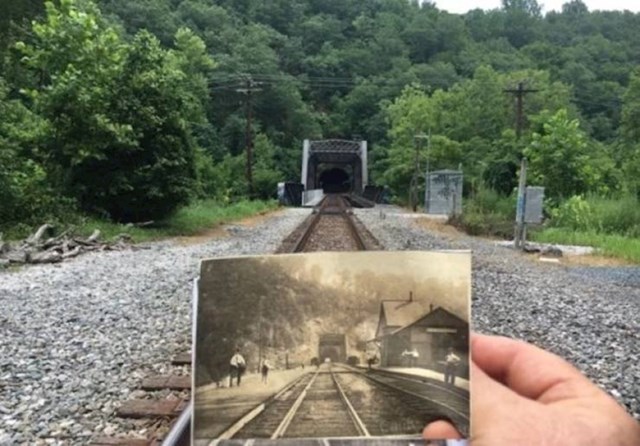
column 399, row 313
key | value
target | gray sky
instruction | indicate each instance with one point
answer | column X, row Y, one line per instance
column 461, row 6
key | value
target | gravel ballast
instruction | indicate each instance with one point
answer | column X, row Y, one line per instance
column 589, row 316
column 77, row 338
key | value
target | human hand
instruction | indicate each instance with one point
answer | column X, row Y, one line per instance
column 523, row 395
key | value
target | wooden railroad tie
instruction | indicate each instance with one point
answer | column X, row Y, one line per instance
column 182, row 359
column 170, row 382
column 123, row 441
column 151, row 408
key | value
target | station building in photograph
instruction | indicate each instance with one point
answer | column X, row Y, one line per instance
column 425, row 332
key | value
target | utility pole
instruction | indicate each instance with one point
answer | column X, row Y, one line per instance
column 520, row 229
column 248, row 90
column 520, row 93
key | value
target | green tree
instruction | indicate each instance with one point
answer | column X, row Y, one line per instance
column 628, row 153
column 120, row 143
column 562, row 159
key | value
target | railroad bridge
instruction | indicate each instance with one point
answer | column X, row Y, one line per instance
column 332, row 346
column 335, row 165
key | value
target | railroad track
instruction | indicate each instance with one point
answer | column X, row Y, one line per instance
column 331, row 227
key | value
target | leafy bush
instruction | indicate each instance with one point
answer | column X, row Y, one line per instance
column 599, row 215
column 575, row 213
column 487, row 213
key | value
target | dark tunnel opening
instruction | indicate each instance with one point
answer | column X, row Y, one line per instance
column 335, row 180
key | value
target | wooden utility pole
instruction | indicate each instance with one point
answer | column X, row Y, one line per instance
column 520, row 93
column 520, row 227
column 250, row 88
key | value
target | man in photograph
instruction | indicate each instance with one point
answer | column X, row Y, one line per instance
column 266, row 366
column 451, row 362
column 237, row 366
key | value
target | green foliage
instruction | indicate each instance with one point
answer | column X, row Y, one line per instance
column 116, row 119
column 601, row 215
column 562, row 159
column 121, row 144
column 617, row 246
column 575, row 213
column 487, row 213
column 26, row 195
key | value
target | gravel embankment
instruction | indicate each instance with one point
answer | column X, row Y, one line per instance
column 77, row 338
column 590, row 316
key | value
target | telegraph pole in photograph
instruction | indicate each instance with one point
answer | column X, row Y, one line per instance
column 250, row 87
column 520, row 229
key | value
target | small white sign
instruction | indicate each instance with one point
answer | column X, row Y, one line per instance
column 441, row 330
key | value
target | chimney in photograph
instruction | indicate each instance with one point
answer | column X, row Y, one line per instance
column 410, row 296
column 430, row 308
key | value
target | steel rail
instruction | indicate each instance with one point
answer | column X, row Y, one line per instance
column 288, row 418
column 357, row 421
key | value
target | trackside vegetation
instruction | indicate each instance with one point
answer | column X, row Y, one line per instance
column 129, row 111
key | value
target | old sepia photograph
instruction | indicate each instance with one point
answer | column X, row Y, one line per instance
column 332, row 346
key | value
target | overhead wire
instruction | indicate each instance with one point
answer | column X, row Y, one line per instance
column 232, row 81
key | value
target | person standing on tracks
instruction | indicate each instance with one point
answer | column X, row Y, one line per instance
column 237, row 366
column 266, row 366
column 451, row 362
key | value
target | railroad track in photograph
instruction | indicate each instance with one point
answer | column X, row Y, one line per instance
column 339, row 401
column 315, row 406
column 330, row 227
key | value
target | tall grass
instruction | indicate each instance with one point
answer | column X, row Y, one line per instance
column 612, row 225
column 189, row 220
column 618, row 246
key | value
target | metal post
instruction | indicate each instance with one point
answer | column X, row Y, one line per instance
column 260, row 334
column 305, row 162
column 416, row 172
column 427, row 185
column 522, row 201
column 365, row 163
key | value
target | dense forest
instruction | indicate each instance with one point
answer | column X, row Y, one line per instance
column 128, row 109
